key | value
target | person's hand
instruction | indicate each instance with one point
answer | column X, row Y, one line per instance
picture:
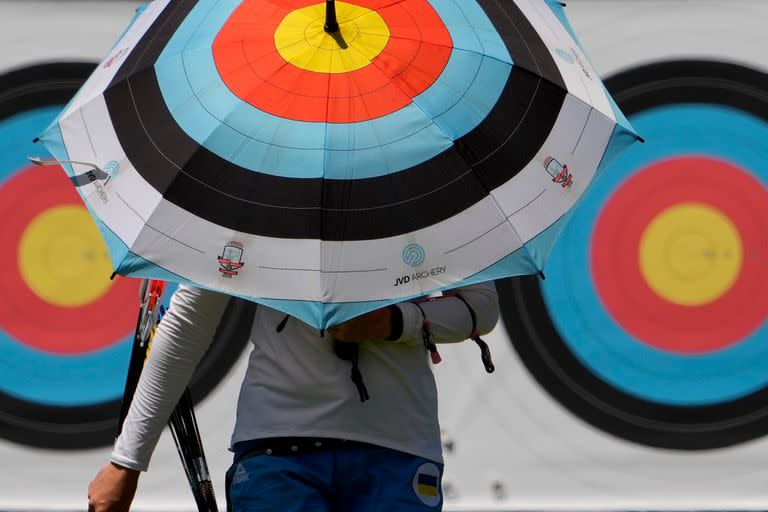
column 373, row 326
column 113, row 489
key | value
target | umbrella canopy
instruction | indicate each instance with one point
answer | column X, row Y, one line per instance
column 329, row 158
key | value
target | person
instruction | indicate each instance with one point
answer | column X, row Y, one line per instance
column 305, row 439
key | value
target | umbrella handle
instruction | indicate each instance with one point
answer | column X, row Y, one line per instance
column 331, row 22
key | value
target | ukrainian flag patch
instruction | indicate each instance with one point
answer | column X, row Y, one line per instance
column 426, row 484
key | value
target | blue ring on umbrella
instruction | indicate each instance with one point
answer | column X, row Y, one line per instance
column 296, row 148
column 575, row 307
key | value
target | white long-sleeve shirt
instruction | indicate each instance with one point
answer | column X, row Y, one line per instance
column 295, row 386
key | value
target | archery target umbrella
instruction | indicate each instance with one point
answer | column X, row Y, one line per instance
column 247, row 147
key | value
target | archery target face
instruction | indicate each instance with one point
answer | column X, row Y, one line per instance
column 651, row 322
column 65, row 328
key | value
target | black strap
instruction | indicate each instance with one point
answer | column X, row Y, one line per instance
column 426, row 333
column 357, row 377
column 485, row 351
column 346, row 351
column 282, row 323
column 351, row 352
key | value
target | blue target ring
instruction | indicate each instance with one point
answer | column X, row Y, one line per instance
column 570, row 340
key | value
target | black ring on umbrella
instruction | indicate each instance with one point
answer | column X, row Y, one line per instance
column 233, row 197
column 548, row 357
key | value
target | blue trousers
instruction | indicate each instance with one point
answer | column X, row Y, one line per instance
column 359, row 478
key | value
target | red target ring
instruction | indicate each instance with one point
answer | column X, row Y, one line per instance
column 58, row 330
column 624, row 289
column 415, row 54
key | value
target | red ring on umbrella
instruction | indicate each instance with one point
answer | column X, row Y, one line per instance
column 30, row 319
column 417, row 52
column 615, row 245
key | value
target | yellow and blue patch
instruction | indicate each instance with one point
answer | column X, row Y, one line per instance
column 426, row 484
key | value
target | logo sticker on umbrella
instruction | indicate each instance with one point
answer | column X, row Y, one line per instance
column 231, row 259
column 414, row 255
column 651, row 324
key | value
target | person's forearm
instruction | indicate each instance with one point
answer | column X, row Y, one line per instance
column 449, row 317
column 180, row 342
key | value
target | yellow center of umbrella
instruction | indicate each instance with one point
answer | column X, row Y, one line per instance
column 301, row 38
column 63, row 259
column 690, row 254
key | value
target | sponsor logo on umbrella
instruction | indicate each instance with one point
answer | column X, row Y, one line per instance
column 414, row 255
column 114, row 58
column 559, row 172
column 95, row 176
column 112, row 168
column 565, row 55
column 231, row 259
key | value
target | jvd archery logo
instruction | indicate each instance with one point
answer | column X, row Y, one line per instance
column 111, row 168
column 414, row 255
column 231, row 259
column 565, row 55
column 559, row 172
column 98, row 178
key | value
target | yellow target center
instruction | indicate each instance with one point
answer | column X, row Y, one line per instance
column 301, row 38
column 690, row 254
column 63, row 259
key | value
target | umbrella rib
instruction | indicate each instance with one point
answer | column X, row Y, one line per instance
column 544, row 18
column 322, row 194
column 583, row 129
column 505, row 221
column 325, row 271
column 88, row 133
column 476, row 238
column 146, row 224
column 526, row 205
column 530, row 53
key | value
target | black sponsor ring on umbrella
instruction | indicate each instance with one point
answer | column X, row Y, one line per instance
column 651, row 324
column 65, row 329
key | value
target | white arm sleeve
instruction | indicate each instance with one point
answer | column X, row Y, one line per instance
column 181, row 340
column 449, row 318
